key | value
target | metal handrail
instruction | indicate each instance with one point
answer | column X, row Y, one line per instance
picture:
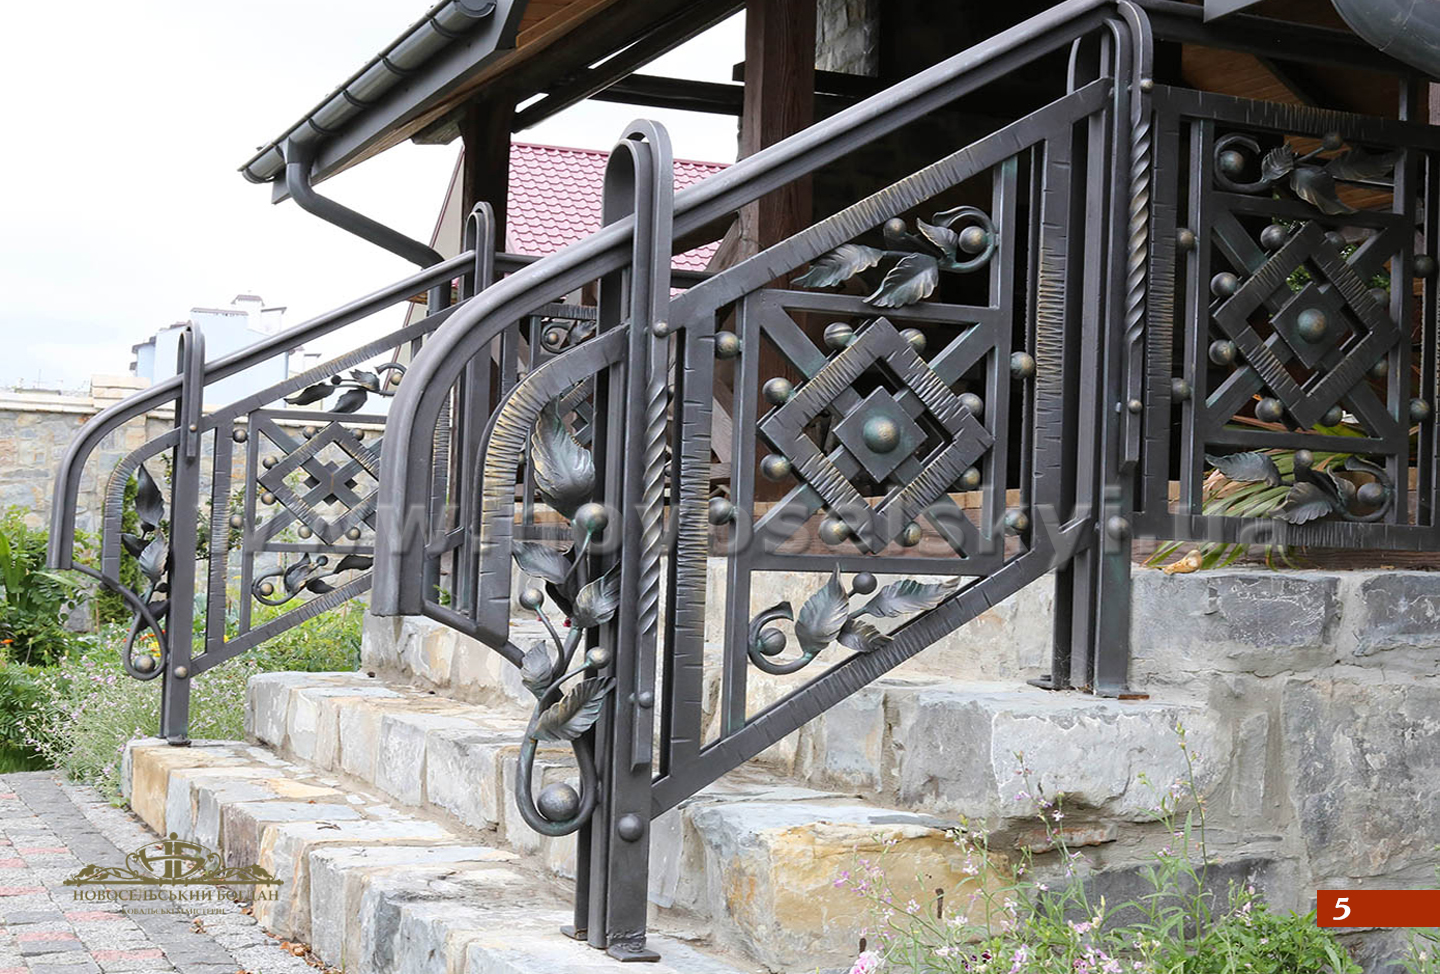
column 67, row 479
column 405, row 467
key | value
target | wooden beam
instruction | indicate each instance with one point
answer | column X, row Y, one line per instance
column 485, row 129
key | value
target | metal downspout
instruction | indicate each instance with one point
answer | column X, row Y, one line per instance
column 298, row 161
column 1408, row 30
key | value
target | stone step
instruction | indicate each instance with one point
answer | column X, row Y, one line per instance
column 752, row 860
column 370, row 887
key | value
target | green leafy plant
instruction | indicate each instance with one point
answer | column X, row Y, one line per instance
column 1038, row 914
column 35, row 601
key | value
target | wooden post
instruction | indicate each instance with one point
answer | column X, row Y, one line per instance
column 485, row 131
column 779, row 101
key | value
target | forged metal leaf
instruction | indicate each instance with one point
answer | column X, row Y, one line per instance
column 351, row 401
column 159, row 610
column 908, row 595
column 133, row 543
column 597, row 602
column 1317, row 187
column 151, row 561
column 562, row 595
column 536, row 667
column 575, row 713
column 319, row 586
column 943, row 237
column 913, row 279
column 564, row 470
column 353, row 563
column 822, row 616
column 296, row 574
column 542, row 561
column 1359, row 164
column 1247, row 467
column 1277, row 162
column 369, row 380
column 838, row 266
column 149, row 506
column 1305, row 502
column 1338, row 491
column 862, row 637
column 310, row 394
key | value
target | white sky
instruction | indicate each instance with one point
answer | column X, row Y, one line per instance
column 121, row 205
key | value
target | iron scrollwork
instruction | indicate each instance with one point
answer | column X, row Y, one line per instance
column 152, row 555
column 358, row 388
column 1314, row 493
column 564, row 473
column 827, row 617
column 1311, row 182
column 919, row 258
column 305, row 575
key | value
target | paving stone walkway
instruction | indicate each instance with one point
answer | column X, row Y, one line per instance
column 49, row 829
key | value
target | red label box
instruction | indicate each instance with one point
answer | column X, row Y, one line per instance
column 1377, row 907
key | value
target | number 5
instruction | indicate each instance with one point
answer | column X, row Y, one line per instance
column 1341, row 904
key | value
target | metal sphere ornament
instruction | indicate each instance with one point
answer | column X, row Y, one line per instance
column 772, row 642
column 143, row 664
column 1224, row 284
column 775, row 467
column 1379, row 295
column 915, row 337
column 1223, row 352
column 973, row 404
column 598, row 657
column 1304, row 459
column 592, row 517
column 236, row 521
column 839, row 335
column 1311, row 324
column 974, row 239
column 266, row 589
column 1419, row 410
column 1273, row 237
column 1117, row 527
column 911, row 535
column 881, row 434
column 645, row 699
column 1232, row 163
column 269, row 462
column 1185, row 239
column 727, row 345
column 267, row 498
column 1269, row 410
column 1017, row 522
column 353, row 534
column 970, row 479
column 309, row 432
column 1022, row 365
column 721, row 511
column 1331, row 141
column 558, row 802
column 304, row 532
column 1333, row 416
column 1424, row 265
column 532, row 598
column 182, row 672
column 1179, row 390
column 777, row 391
column 1371, row 494
column 1135, row 406
column 1381, row 368
column 240, row 436
column 630, row 827
column 1335, row 239
column 864, row 583
column 833, row 531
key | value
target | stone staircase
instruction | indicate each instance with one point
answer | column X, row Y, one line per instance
column 383, row 798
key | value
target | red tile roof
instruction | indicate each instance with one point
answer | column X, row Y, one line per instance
column 555, row 196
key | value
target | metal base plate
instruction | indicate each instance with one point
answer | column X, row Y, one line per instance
column 632, row 951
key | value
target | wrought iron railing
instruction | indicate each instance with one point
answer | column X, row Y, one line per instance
column 986, row 372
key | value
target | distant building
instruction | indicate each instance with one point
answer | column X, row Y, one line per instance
column 245, row 321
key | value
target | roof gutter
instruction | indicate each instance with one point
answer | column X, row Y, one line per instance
column 448, row 23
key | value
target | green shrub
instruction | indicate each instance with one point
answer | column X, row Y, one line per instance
column 33, row 601
column 88, row 709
